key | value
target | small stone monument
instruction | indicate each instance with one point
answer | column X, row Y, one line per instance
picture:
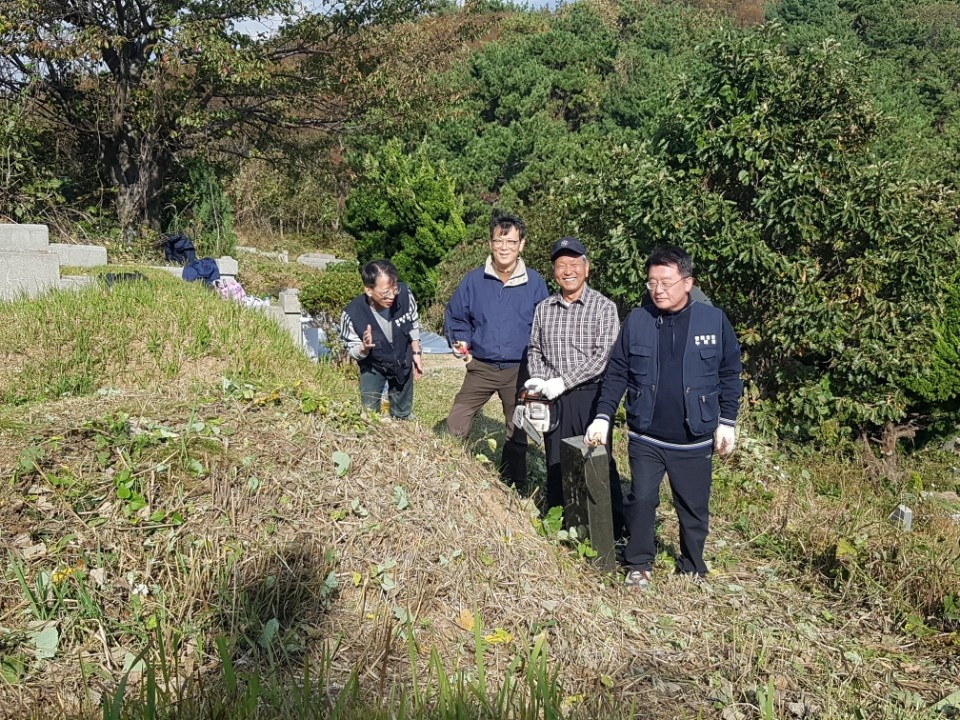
column 586, row 489
column 902, row 516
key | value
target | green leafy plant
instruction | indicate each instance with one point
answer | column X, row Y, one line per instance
column 200, row 209
column 326, row 295
column 551, row 526
column 405, row 209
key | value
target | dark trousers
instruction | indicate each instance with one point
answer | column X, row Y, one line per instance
column 690, row 474
column 574, row 410
column 481, row 381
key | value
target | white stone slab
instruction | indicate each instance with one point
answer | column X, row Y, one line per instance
column 27, row 273
column 80, row 255
column 24, row 238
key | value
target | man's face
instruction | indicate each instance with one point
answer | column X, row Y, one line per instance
column 505, row 248
column 383, row 292
column 571, row 273
column 668, row 290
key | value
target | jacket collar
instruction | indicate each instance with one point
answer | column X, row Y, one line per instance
column 519, row 276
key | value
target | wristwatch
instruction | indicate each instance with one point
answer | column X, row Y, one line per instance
column 417, row 352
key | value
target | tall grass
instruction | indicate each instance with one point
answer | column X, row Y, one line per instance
column 279, row 689
column 825, row 515
column 145, row 334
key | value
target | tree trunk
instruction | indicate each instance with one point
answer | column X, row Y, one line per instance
column 137, row 169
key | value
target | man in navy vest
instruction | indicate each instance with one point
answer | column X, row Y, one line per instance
column 381, row 331
column 678, row 361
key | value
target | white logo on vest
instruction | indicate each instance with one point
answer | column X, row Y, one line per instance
column 705, row 339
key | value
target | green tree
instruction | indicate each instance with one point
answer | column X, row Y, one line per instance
column 910, row 52
column 28, row 187
column 404, row 209
column 525, row 106
column 146, row 81
column 833, row 266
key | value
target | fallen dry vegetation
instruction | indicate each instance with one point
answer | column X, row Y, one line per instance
column 412, row 536
column 175, row 503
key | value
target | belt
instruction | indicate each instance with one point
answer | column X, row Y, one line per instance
column 499, row 363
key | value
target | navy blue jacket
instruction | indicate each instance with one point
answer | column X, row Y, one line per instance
column 392, row 360
column 710, row 375
column 494, row 317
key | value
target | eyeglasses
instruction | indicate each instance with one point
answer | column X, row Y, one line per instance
column 653, row 284
column 501, row 242
column 391, row 292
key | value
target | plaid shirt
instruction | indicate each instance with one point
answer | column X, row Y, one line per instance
column 572, row 340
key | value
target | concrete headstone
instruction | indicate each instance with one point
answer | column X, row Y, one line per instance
column 586, row 489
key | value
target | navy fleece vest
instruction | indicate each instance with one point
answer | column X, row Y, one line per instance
column 392, row 360
column 700, row 374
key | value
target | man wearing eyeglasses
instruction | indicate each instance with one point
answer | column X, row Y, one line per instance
column 573, row 331
column 678, row 362
column 381, row 331
column 487, row 321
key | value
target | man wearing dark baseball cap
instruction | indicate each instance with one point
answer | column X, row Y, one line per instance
column 568, row 246
column 570, row 341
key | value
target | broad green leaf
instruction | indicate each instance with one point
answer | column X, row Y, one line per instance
column 46, row 641
column 268, row 633
column 341, row 463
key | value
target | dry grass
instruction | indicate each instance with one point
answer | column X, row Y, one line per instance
column 417, row 537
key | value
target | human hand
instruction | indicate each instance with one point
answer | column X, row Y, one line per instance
column 534, row 385
column 461, row 349
column 724, row 440
column 597, row 432
column 367, row 342
column 417, row 367
column 552, row 388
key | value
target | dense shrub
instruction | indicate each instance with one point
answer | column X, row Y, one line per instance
column 405, row 210
column 832, row 266
column 328, row 294
column 939, row 381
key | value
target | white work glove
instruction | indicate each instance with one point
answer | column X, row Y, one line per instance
column 552, row 388
column 724, row 440
column 534, row 385
column 597, row 432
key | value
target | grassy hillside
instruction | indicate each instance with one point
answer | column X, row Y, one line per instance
column 193, row 506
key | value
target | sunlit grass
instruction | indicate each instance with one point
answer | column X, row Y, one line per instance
column 142, row 334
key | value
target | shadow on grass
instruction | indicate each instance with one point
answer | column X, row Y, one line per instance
column 487, row 437
column 267, row 602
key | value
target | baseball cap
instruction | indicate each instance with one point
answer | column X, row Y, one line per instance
column 567, row 246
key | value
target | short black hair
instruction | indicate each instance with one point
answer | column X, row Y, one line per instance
column 374, row 269
column 504, row 222
column 671, row 255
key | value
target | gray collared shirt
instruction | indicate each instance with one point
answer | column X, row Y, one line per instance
column 572, row 340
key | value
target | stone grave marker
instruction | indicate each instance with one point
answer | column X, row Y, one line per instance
column 586, row 489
